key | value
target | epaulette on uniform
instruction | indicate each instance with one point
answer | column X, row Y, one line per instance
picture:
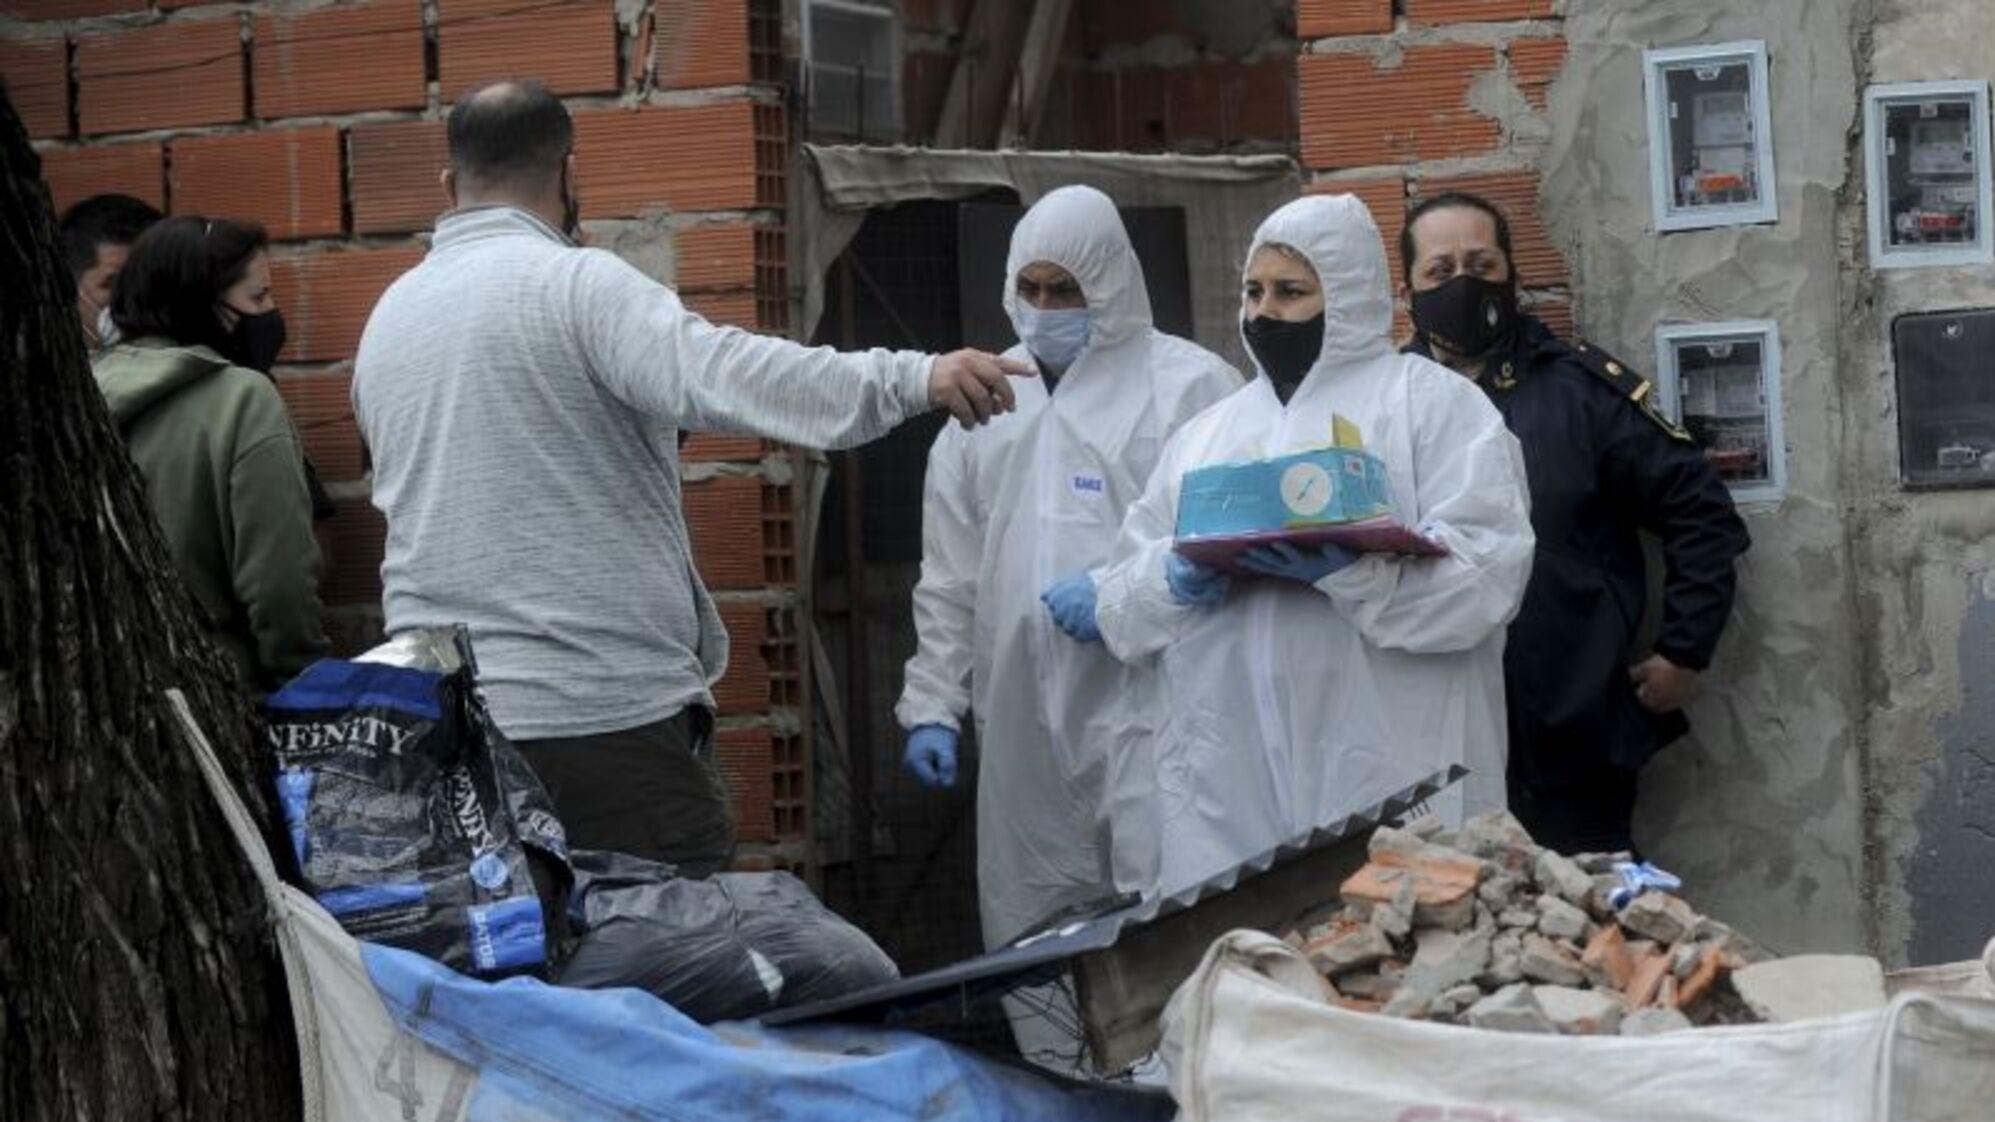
column 1629, row 384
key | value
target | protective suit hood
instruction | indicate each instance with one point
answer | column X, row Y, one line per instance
column 1078, row 229
column 1340, row 239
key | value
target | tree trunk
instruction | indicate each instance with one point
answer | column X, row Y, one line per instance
column 140, row 976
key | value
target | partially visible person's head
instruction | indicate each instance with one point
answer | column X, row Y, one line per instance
column 512, row 143
column 1047, row 287
column 97, row 234
column 1280, row 283
column 202, row 282
column 1461, row 287
column 1453, row 235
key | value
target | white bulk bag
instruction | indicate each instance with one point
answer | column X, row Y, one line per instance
column 1249, row 1038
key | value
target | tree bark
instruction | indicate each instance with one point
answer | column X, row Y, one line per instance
column 139, row 970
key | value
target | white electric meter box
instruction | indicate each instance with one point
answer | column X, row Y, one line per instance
column 1721, row 381
column 1926, row 170
column 1710, row 140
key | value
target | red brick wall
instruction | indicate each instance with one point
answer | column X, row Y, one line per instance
column 1384, row 101
column 325, row 124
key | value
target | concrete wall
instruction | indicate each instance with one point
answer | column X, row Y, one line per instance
column 1927, row 567
column 1761, row 809
column 1837, row 792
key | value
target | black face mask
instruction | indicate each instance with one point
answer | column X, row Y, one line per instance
column 1286, row 349
column 256, row 340
column 1468, row 315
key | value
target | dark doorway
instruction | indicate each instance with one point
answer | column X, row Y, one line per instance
column 897, row 858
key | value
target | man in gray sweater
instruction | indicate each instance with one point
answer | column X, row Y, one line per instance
column 522, row 398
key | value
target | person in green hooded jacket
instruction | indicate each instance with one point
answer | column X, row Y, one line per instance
column 188, row 387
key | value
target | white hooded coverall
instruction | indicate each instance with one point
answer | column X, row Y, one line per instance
column 1038, row 494
column 1288, row 705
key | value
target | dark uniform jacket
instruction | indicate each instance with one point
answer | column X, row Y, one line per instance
column 1603, row 464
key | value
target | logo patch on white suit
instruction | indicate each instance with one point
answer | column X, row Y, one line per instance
column 1093, row 485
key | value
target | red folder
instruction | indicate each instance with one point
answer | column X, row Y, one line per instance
column 1374, row 535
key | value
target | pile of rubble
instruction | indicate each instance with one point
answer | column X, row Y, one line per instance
column 1482, row 927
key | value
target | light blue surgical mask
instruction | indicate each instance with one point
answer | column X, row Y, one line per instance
column 1055, row 336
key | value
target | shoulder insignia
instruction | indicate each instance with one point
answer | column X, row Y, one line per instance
column 1640, row 392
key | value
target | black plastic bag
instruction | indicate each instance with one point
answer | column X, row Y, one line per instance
column 414, row 821
column 722, row 948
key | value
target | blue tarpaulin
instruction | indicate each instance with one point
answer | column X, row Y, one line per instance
column 545, row 1051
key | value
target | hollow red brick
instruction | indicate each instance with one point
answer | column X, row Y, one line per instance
column 745, row 687
column 321, row 405
column 723, row 515
column 394, row 172
column 286, row 179
column 1537, row 260
column 675, row 158
column 1534, row 63
column 184, row 73
column 74, row 174
column 68, row 9
column 708, row 446
column 328, row 295
column 1318, row 19
column 1356, row 113
column 732, row 309
column 697, row 43
column 339, row 60
column 715, row 258
column 571, row 48
column 745, row 758
column 1437, row 12
column 356, row 537
column 37, row 75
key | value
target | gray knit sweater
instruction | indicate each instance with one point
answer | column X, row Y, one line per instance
column 521, row 398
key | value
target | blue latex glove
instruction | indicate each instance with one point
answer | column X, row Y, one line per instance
column 1194, row 584
column 1304, row 566
column 930, row 755
column 1071, row 604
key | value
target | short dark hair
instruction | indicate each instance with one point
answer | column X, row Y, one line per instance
column 1446, row 201
column 176, row 275
column 509, row 133
column 98, row 220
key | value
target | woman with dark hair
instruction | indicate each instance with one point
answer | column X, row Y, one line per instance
column 189, row 387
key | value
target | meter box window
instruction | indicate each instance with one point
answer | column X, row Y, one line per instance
column 1926, row 161
column 1946, row 398
column 1710, row 144
column 1721, row 381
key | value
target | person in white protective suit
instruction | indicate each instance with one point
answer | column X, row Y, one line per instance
column 1327, row 680
column 1015, row 518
